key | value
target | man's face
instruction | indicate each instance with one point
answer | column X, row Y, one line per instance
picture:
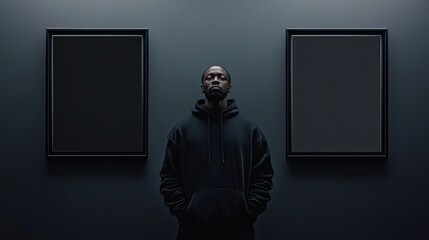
column 215, row 85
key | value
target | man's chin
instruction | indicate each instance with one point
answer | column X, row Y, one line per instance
column 216, row 96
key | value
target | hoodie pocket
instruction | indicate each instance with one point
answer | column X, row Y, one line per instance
column 218, row 207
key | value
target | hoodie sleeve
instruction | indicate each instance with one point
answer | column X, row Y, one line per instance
column 171, row 185
column 260, row 179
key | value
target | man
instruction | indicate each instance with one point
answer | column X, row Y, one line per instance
column 217, row 171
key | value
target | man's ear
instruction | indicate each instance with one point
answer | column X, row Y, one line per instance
column 202, row 88
column 229, row 88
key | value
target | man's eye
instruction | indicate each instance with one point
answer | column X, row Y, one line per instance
column 222, row 77
column 209, row 77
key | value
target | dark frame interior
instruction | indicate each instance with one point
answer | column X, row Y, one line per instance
column 117, row 66
column 297, row 148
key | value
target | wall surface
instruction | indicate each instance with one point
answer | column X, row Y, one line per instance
column 314, row 199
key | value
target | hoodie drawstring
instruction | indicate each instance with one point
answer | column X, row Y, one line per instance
column 209, row 139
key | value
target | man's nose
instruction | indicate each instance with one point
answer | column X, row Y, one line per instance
column 215, row 80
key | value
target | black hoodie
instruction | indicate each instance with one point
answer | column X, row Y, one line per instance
column 217, row 172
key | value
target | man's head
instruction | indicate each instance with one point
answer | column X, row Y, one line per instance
column 215, row 83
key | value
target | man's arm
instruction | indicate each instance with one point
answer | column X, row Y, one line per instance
column 171, row 185
column 260, row 179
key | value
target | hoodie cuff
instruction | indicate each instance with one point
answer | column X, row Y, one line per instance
column 183, row 215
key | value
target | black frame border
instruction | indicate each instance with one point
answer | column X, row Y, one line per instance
column 382, row 32
column 144, row 33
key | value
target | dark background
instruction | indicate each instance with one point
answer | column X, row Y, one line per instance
column 312, row 199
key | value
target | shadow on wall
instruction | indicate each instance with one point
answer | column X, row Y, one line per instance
column 338, row 167
column 96, row 166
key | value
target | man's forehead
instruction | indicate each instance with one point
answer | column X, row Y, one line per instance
column 214, row 70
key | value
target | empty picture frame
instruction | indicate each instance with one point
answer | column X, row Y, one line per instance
column 97, row 92
column 336, row 92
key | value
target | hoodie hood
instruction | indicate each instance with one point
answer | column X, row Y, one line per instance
column 200, row 112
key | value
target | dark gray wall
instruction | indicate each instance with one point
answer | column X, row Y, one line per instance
column 320, row 199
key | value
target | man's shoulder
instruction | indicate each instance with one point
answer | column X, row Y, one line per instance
column 249, row 124
column 254, row 129
column 185, row 122
column 183, row 125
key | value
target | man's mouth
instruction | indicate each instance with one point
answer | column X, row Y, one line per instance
column 215, row 88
